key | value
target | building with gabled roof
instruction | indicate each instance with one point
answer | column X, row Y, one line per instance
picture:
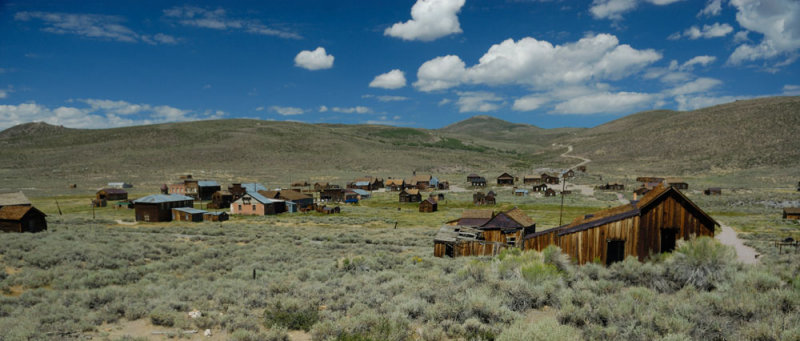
column 483, row 233
column 257, row 204
column 158, row 207
column 505, row 179
column 650, row 225
column 188, row 214
column 14, row 199
column 791, row 213
column 394, row 184
column 22, row 219
column 111, row 194
column 410, row 195
column 429, row 205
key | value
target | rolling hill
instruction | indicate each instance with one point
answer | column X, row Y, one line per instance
column 759, row 133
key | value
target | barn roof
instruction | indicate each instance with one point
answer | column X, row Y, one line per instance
column 505, row 175
column 14, row 198
column 419, row 177
column 360, row 192
column 473, row 175
column 293, row 195
column 16, row 212
column 792, row 210
column 624, row 211
column 412, row 191
column 531, row 177
column 190, row 210
column 362, row 183
column 159, row 198
column 520, row 217
column 430, row 200
column 395, row 182
column 114, row 191
column 207, row 183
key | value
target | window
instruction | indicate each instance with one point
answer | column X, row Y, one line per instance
column 511, row 241
column 254, row 207
column 240, row 208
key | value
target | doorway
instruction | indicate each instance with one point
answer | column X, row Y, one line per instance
column 668, row 237
column 615, row 251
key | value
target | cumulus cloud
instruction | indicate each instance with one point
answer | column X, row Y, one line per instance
column 713, row 8
column 529, row 103
column 99, row 114
column 777, row 20
column 478, row 101
column 218, row 19
column 287, row 111
column 714, row 30
column 606, row 102
column 699, row 60
column 108, row 27
column 430, row 20
column 791, row 90
column 352, row 110
column 314, row 60
column 613, row 9
column 387, row 98
column 695, row 86
column 394, row 79
column 539, row 64
column 323, row 108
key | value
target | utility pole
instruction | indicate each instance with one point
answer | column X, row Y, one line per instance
column 563, row 187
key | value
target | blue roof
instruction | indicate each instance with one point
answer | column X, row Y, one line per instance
column 207, row 183
column 521, row 191
column 360, row 192
column 262, row 199
column 189, row 210
column 254, row 187
column 362, row 183
column 159, row 198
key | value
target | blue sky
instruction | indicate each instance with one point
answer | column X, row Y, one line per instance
column 418, row 63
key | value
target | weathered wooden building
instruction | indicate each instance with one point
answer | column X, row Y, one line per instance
column 498, row 232
column 207, row 188
column 549, row 179
column 505, row 179
column 332, row 194
column 410, row 195
column 188, row 214
column 650, row 179
column 479, row 198
column 568, row 174
column 611, row 187
column 539, row 188
column 791, row 213
column 221, row 199
column 158, row 207
column 472, row 177
column 216, row 216
column 111, row 194
column 429, row 205
column 531, row 180
column 443, row 185
column 648, row 226
column 549, row 192
column 22, row 218
column 394, row 185
column 713, row 191
column 298, row 198
column 420, row 181
column 479, row 182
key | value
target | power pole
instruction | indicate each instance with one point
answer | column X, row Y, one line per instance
column 563, row 187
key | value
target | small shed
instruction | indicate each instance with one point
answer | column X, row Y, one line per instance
column 713, row 191
column 215, row 216
column 22, row 219
column 478, row 182
column 472, row 177
column 221, row 199
column 111, row 194
column 410, row 195
column 188, row 214
column 394, row 184
column 549, row 192
column 568, row 174
column 428, row 205
column 531, row 180
column 791, row 213
column 540, row 188
column 521, row 192
column 505, row 179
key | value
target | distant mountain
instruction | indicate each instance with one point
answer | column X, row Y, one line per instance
column 482, row 124
column 32, row 129
column 738, row 135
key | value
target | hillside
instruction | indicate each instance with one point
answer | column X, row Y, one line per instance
column 739, row 135
column 488, row 129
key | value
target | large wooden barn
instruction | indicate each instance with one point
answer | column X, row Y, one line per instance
column 112, row 194
column 650, row 225
column 158, row 207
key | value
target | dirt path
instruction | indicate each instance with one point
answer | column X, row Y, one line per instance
column 744, row 253
column 569, row 150
column 121, row 222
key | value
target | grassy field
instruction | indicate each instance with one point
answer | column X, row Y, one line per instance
column 354, row 276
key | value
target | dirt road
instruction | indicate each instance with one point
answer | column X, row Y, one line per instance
column 744, row 253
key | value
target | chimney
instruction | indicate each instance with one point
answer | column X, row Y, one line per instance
column 634, row 196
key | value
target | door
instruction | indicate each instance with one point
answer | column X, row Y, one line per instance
column 668, row 240
column 615, row 251
column 449, row 250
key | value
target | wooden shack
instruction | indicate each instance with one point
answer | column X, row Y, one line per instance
column 646, row 179
column 713, row 191
column 215, row 216
column 429, row 205
column 158, row 207
column 332, row 194
column 443, row 185
column 472, row 177
column 394, row 185
column 22, row 219
column 791, row 213
column 207, row 188
column 14, row 199
column 479, row 182
column 498, row 232
column 257, row 204
column 531, row 180
column 650, row 225
column 187, row 214
column 221, row 199
column 548, row 179
column 298, row 198
column 549, row 192
column 505, row 179
column 410, row 195
column 568, row 174
column 582, row 168
column 420, row 181
column 611, row 187
column 539, row 188
column 111, row 194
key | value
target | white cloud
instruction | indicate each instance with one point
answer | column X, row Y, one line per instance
column 714, row 30
column 477, row 101
column 352, row 110
column 260, row 109
column 699, row 60
column 314, row 60
column 444, row 101
column 394, row 79
column 539, row 64
column 613, row 9
column 529, row 103
column 695, row 86
column 387, row 98
column 287, row 111
column 713, row 8
column 99, row 114
column 606, row 102
column 98, row 26
column 323, row 108
column 791, row 90
column 430, row 20
column 741, row 37
column 777, row 20
column 218, row 19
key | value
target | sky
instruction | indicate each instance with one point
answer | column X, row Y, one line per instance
column 416, row 63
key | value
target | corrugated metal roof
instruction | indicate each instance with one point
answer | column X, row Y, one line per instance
column 190, row 210
column 253, row 187
column 14, row 198
column 361, row 192
column 362, row 183
column 262, row 199
column 159, row 198
column 207, row 183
